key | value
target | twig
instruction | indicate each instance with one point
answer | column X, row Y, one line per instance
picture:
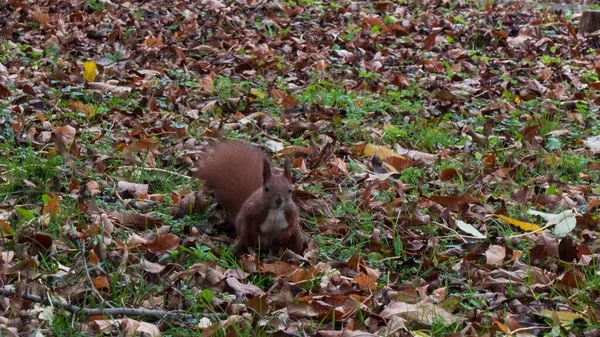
column 453, row 231
column 535, row 231
column 157, row 169
column 531, row 328
column 89, row 277
column 105, row 311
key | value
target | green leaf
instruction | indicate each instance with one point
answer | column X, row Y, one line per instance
column 553, row 144
column 206, row 296
column 25, row 212
column 398, row 246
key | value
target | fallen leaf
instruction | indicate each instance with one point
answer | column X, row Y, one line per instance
column 89, row 72
column 526, row 226
column 468, row 228
column 495, row 255
column 366, row 282
column 163, row 243
column 422, row 312
column 565, row 221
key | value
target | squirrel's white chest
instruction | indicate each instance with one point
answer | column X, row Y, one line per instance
column 274, row 224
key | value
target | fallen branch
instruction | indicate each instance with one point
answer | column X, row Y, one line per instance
column 106, row 311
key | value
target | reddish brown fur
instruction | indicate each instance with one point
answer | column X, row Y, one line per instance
column 234, row 170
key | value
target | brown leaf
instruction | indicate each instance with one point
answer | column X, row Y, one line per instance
column 289, row 102
column 212, row 4
column 445, row 95
column 501, row 34
column 101, row 283
column 489, row 159
column 148, row 329
column 529, row 132
column 41, row 18
column 259, row 304
column 353, row 262
column 4, row 91
column 595, row 85
column 320, row 65
column 301, row 310
column 448, row 174
column 152, row 105
column 22, row 267
column 366, row 282
column 495, row 255
column 241, row 289
column 143, row 145
column 366, row 195
column 191, row 203
column 81, row 107
column 429, row 41
column 571, row 279
column 422, row 312
column 153, row 42
column 398, row 162
column 128, row 190
column 151, row 267
column 67, row 133
column 371, row 21
column 339, row 167
column 206, row 83
column 454, row 202
column 119, row 91
column 141, row 221
column 93, row 259
column 52, row 206
column 279, row 268
column 163, row 243
column 5, row 228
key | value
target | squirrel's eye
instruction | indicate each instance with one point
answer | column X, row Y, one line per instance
column 290, row 190
column 267, row 188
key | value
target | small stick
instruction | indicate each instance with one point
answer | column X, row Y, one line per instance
column 156, row 169
column 104, row 311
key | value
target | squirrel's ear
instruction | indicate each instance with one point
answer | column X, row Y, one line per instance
column 266, row 169
column 287, row 171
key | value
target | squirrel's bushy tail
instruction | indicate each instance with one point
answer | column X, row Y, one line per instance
column 233, row 170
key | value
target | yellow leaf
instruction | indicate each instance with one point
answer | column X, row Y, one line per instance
column 565, row 317
column 89, row 72
column 337, row 120
column 552, row 160
column 389, row 167
column 526, row 226
column 381, row 151
column 517, row 100
column 258, row 93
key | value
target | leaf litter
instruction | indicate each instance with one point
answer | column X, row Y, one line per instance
column 417, row 132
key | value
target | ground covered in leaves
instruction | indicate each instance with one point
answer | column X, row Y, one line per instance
column 444, row 154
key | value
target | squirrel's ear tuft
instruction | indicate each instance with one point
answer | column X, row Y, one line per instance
column 266, row 169
column 287, row 171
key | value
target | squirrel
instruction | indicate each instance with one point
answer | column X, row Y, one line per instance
column 256, row 195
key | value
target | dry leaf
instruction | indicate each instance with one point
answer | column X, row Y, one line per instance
column 526, row 226
column 468, row 228
column 89, row 72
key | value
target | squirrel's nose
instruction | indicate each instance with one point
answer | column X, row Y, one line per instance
column 278, row 201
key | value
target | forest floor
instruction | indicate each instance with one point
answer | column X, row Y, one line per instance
column 445, row 158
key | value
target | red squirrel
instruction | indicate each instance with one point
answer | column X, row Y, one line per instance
column 258, row 196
